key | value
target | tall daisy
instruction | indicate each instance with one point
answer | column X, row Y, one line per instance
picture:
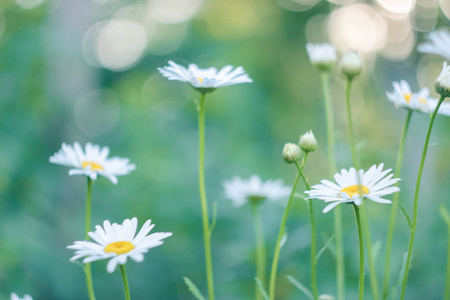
column 438, row 43
column 25, row 297
column 254, row 190
column 402, row 96
column 118, row 242
column 353, row 187
column 324, row 56
column 93, row 161
column 205, row 80
column 442, row 86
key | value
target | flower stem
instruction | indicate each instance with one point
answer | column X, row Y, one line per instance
column 126, row 287
column 365, row 224
column 416, row 197
column 87, row 267
column 260, row 250
column 361, row 253
column 313, row 235
column 394, row 208
column 340, row 264
column 201, row 180
column 281, row 231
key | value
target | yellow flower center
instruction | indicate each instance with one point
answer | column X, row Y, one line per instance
column 94, row 166
column 354, row 189
column 408, row 98
column 200, row 79
column 119, row 247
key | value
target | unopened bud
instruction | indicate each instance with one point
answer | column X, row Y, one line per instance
column 442, row 85
column 308, row 142
column 291, row 153
column 351, row 64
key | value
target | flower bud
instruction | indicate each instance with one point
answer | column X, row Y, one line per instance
column 291, row 153
column 442, row 85
column 351, row 64
column 308, row 142
column 323, row 56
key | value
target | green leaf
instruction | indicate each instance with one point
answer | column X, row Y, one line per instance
column 300, row 286
column 325, row 247
column 261, row 289
column 193, row 289
column 401, row 274
column 214, row 219
column 406, row 216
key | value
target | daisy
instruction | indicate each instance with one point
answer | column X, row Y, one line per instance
column 402, row 96
column 322, row 56
column 438, row 43
column 25, row 297
column 92, row 162
column 374, row 184
column 254, row 190
column 118, row 243
column 205, row 80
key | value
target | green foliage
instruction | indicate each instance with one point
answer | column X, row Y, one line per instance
column 193, row 289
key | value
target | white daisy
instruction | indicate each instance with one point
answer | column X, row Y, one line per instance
column 92, row 162
column 322, row 56
column 25, row 297
column 373, row 184
column 438, row 43
column 118, row 243
column 254, row 190
column 402, row 96
column 205, row 80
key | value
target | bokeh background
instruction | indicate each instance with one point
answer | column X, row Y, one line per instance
column 85, row 70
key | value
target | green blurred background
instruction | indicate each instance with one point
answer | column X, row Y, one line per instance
column 85, row 70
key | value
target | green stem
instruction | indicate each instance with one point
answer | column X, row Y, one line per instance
column 361, row 253
column 351, row 134
column 276, row 255
column 87, row 267
column 416, row 198
column 201, row 180
column 260, row 250
column 313, row 236
column 373, row 276
column 126, row 287
column 394, row 207
column 447, row 276
column 340, row 264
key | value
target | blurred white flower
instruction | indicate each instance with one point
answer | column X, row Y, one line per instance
column 442, row 84
column 373, row 185
column 118, row 243
column 323, row 56
column 205, row 80
column 254, row 190
column 438, row 43
column 92, row 162
column 25, row 297
column 402, row 96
